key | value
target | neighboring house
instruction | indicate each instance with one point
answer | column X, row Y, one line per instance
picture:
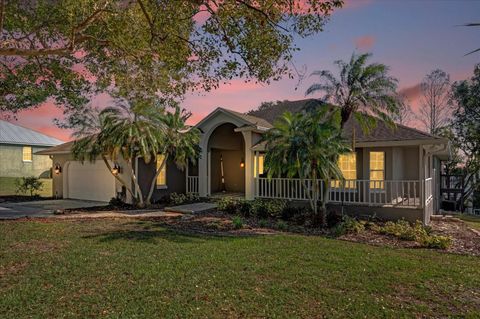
column 392, row 173
column 18, row 146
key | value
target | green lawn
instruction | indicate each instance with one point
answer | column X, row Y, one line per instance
column 7, row 187
column 135, row 269
column 471, row 220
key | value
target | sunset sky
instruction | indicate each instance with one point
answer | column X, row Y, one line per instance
column 413, row 37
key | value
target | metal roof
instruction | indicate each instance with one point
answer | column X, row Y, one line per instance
column 18, row 135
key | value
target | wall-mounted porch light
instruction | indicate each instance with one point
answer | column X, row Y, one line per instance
column 57, row 169
column 242, row 163
column 116, row 169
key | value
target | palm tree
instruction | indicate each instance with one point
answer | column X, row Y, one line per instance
column 362, row 89
column 180, row 143
column 306, row 146
column 135, row 131
column 474, row 24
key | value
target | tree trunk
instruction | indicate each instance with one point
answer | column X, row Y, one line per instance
column 154, row 181
column 326, row 190
column 139, row 198
column 118, row 178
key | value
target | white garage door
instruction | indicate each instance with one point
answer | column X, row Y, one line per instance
column 89, row 181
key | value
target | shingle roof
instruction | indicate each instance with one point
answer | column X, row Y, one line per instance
column 59, row 149
column 380, row 133
column 18, row 135
column 254, row 120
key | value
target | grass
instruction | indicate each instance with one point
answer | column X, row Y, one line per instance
column 139, row 269
column 472, row 220
column 7, row 187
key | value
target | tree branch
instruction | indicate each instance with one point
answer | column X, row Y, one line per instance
column 2, row 14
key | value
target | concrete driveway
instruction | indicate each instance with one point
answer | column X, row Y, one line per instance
column 42, row 208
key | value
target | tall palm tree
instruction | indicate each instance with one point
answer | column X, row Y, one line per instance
column 306, row 146
column 474, row 24
column 360, row 90
column 139, row 130
column 180, row 143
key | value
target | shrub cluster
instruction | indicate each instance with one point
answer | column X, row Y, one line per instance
column 400, row 229
column 263, row 209
column 416, row 232
column 348, row 225
column 181, row 198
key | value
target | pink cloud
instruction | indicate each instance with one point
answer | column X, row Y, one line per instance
column 365, row 42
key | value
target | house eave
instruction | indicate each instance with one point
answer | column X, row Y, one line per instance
column 402, row 143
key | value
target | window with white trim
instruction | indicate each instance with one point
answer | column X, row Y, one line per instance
column 377, row 170
column 162, row 176
column 348, row 165
column 27, row 154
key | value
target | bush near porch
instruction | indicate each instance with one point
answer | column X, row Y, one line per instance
column 281, row 212
column 145, row 269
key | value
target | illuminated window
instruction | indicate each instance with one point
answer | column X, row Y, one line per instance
column 162, row 176
column 261, row 160
column 348, row 165
column 377, row 170
column 27, row 154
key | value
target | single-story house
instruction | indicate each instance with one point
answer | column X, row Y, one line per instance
column 392, row 172
column 18, row 147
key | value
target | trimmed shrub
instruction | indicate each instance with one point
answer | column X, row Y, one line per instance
column 237, row 222
column 298, row 214
column 177, row 199
column 227, row 205
column 268, row 208
column 436, row 241
column 181, row 198
column 348, row 225
column 281, row 225
column 417, row 232
column 245, row 208
column 262, row 223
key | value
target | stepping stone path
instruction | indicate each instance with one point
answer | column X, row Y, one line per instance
column 191, row 208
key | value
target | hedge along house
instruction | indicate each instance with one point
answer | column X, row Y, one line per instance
column 18, row 147
column 391, row 173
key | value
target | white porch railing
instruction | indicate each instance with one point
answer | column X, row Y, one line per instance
column 428, row 199
column 406, row 193
column 192, row 185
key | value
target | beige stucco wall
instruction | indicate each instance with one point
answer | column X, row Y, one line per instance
column 59, row 179
column 12, row 164
column 207, row 127
column 401, row 162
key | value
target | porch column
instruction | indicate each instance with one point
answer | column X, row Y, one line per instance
column 203, row 170
column 249, row 164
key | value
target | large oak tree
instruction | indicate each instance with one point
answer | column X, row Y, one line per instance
column 70, row 49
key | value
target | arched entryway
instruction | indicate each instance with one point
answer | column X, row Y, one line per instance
column 226, row 148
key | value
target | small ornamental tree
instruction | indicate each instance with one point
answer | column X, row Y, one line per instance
column 307, row 146
column 30, row 185
column 140, row 130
